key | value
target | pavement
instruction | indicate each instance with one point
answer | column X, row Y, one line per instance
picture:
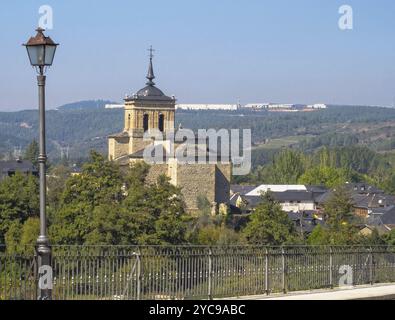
column 375, row 292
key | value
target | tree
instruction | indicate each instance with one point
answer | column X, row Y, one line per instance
column 219, row 236
column 203, row 205
column 338, row 209
column 104, row 205
column 339, row 220
column 19, row 201
column 286, row 168
column 269, row 225
column 330, row 177
column 56, row 183
column 388, row 183
column 156, row 213
column 32, row 152
column 98, row 185
column 390, row 238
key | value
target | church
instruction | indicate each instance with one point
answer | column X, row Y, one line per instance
column 151, row 110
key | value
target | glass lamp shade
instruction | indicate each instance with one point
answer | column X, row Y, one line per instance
column 41, row 55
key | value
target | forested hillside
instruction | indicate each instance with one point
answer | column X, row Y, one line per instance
column 84, row 126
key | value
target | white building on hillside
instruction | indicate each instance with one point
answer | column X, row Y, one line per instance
column 257, row 106
column 227, row 107
column 316, row 106
column 114, row 106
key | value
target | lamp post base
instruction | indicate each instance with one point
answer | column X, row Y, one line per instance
column 45, row 284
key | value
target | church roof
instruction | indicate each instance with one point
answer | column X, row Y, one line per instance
column 199, row 154
column 123, row 134
column 150, row 92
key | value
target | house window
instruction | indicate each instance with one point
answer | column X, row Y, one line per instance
column 145, row 122
column 161, row 122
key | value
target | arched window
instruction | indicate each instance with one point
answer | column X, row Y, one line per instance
column 161, row 122
column 129, row 121
column 145, row 122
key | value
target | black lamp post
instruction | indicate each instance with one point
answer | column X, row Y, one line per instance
column 41, row 51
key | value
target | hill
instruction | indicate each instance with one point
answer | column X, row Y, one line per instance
column 85, row 125
column 85, row 105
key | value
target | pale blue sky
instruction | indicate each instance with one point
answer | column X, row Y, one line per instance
column 207, row 51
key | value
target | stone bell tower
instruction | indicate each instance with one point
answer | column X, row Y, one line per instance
column 147, row 109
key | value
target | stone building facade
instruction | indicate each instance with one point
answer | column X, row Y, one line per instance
column 150, row 109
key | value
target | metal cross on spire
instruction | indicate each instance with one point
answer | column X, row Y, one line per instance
column 150, row 75
column 151, row 52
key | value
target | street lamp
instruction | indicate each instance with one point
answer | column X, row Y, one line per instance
column 41, row 51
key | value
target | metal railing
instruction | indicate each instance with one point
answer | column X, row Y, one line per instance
column 155, row 272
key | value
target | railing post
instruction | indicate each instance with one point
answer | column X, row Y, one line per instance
column 138, row 256
column 35, row 273
column 371, row 266
column 284, row 271
column 267, row 272
column 210, row 270
column 331, row 268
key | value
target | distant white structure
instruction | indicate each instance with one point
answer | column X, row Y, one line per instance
column 283, row 106
column 257, row 106
column 228, row 107
column 114, row 106
column 272, row 106
column 316, row 106
column 275, row 188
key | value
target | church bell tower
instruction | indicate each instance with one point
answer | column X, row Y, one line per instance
column 147, row 109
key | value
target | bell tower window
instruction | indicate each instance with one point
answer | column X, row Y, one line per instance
column 161, row 122
column 145, row 122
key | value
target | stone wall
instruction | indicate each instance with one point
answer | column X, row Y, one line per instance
column 137, row 144
column 196, row 180
column 117, row 147
column 155, row 171
column 223, row 175
column 208, row 180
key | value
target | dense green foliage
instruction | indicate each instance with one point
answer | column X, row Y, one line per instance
column 104, row 206
column 269, row 225
column 32, row 152
column 340, row 227
column 18, row 202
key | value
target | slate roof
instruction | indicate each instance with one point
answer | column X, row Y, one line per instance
column 293, row 196
column 241, row 189
column 383, row 216
column 200, row 153
column 17, row 165
column 388, row 218
column 317, row 189
column 362, row 188
column 372, row 200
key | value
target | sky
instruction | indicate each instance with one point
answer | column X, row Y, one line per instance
column 223, row 51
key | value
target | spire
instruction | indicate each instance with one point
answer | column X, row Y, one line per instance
column 150, row 75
